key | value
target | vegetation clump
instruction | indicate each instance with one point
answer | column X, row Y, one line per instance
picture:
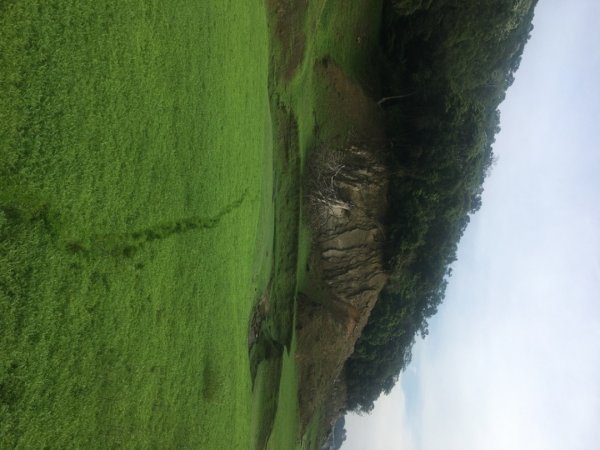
column 448, row 63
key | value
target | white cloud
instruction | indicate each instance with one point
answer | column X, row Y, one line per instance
column 387, row 426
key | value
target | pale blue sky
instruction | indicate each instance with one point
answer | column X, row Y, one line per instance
column 513, row 356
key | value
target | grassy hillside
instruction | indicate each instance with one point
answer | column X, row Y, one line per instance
column 304, row 33
column 150, row 164
column 135, row 202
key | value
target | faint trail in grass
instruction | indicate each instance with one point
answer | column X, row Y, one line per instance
column 128, row 244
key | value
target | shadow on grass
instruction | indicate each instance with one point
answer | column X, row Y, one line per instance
column 271, row 327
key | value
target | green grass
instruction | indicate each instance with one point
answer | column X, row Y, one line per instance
column 135, row 212
column 272, row 355
column 285, row 426
column 311, row 440
column 149, row 194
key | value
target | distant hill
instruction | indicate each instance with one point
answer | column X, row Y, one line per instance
column 446, row 67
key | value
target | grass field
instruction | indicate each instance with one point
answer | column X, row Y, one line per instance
column 146, row 202
column 135, row 206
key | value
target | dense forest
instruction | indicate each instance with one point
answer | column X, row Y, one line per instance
column 446, row 66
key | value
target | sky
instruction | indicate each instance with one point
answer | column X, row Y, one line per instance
column 512, row 360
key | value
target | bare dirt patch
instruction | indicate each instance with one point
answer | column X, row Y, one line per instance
column 287, row 24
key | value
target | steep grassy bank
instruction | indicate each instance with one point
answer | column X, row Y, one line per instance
column 304, row 34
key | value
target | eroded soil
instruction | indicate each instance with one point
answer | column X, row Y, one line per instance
column 287, row 25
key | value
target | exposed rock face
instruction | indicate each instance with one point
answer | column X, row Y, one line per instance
column 346, row 204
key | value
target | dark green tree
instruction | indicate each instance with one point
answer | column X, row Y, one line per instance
column 451, row 62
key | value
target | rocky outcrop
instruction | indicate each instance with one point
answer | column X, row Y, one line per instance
column 346, row 205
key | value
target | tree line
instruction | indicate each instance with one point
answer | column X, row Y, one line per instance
column 448, row 63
